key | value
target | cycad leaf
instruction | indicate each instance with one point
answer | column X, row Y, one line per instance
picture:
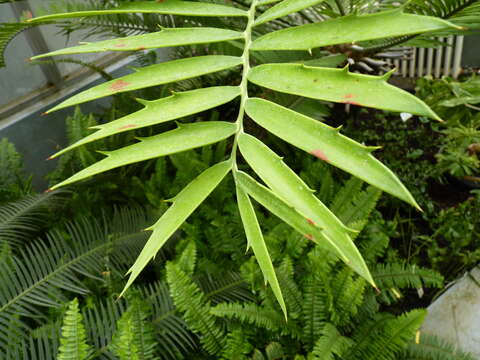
column 183, row 205
column 284, row 8
column 348, row 29
column 327, row 144
column 257, row 242
column 157, row 74
column 172, row 7
column 338, row 85
column 291, row 189
column 160, row 39
column 166, row 109
column 185, row 137
column 287, row 213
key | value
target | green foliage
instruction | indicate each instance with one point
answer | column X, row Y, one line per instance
column 73, row 344
column 294, row 79
column 13, row 183
column 194, row 306
column 134, row 338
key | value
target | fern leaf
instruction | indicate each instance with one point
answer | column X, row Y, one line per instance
column 73, row 344
column 430, row 347
column 237, row 346
column 392, row 277
column 250, row 313
column 195, row 308
column 385, row 337
column 134, row 338
column 314, row 308
column 330, row 344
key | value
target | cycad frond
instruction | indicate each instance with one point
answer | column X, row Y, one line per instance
column 73, row 344
column 20, row 220
column 173, row 336
column 34, row 279
column 227, row 287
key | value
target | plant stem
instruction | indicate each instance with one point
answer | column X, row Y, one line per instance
column 247, row 34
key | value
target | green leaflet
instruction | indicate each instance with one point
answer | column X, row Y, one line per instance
column 257, row 242
column 348, row 29
column 185, row 137
column 183, row 205
column 267, row 2
column 327, row 144
column 157, row 74
column 160, row 39
column 284, row 211
column 173, row 7
column 284, row 8
column 338, row 85
column 293, row 191
column 155, row 112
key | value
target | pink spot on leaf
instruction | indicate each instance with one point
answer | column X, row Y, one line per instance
column 129, row 126
column 309, row 236
column 311, row 222
column 347, row 99
column 319, row 154
column 120, row 45
column 119, row 85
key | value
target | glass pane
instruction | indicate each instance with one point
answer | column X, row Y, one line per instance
column 19, row 77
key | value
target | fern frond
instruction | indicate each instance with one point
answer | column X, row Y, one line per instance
column 431, row 347
column 195, row 308
column 342, row 199
column 330, row 344
column 360, row 207
column 73, row 344
column 392, row 277
column 290, row 290
column 347, row 292
column 237, row 346
column 134, row 338
column 252, row 314
column 385, row 337
column 314, row 308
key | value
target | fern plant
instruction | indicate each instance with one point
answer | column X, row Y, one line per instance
column 73, row 344
column 285, row 194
